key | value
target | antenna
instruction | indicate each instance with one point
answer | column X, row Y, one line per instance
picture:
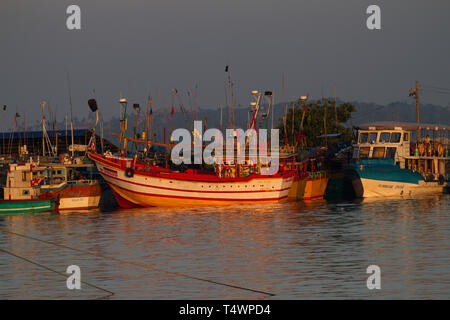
column 285, row 111
column 71, row 114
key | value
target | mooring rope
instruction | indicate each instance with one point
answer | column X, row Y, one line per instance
column 110, row 293
column 145, row 266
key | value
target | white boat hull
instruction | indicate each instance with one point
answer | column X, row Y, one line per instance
column 79, row 203
column 381, row 188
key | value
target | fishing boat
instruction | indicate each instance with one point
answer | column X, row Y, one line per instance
column 21, row 195
column 310, row 177
column 299, row 167
column 27, row 206
column 316, row 181
column 298, row 187
column 136, row 184
column 142, row 183
column 70, row 179
column 391, row 159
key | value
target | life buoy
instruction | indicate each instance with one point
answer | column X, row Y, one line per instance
column 421, row 149
column 429, row 150
column 35, row 182
column 129, row 173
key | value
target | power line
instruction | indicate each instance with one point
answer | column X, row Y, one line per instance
column 434, row 87
column 435, row 91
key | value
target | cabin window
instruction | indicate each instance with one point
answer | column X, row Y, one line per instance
column 25, row 192
column 384, row 137
column 24, row 176
column 363, row 137
column 364, row 152
column 59, row 171
column 405, row 137
column 373, row 137
column 395, row 137
column 378, row 152
column 390, row 153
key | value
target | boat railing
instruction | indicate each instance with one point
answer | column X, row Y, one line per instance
column 429, row 149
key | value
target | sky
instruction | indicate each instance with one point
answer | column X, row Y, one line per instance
column 140, row 47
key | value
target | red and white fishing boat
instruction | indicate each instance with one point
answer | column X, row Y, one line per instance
column 141, row 185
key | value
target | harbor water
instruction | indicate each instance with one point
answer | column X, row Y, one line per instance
column 299, row 250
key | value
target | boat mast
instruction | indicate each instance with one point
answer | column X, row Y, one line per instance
column 71, row 114
column 94, row 108
column 285, row 111
column 335, row 107
column 220, row 123
column 325, row 120
column 417, row 102
column 151, row 121
column 293, row 121
column 43, row 127
column 136, row 108
column 67, row 143
column 147, row 118
column 196, row 102
column 123, row 124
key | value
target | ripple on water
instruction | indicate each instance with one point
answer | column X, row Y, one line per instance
column 295, row 250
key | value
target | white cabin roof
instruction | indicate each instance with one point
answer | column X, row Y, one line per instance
column 407, row 126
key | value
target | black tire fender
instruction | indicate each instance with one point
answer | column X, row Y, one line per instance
column 129, row 173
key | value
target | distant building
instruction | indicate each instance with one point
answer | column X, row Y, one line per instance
column 13, row 142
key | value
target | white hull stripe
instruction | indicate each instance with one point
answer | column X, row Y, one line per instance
column 29, row 208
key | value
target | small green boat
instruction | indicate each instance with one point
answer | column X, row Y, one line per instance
column 27, row 206
column 21, row 193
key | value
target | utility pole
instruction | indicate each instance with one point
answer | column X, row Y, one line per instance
column 415, row 93
column 417, row 109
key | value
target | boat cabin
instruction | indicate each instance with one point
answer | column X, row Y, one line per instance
column 20, row 184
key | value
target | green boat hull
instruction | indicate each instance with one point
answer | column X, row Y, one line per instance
column 27, row 206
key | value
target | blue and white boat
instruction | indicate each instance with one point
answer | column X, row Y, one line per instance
column 389, row 160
